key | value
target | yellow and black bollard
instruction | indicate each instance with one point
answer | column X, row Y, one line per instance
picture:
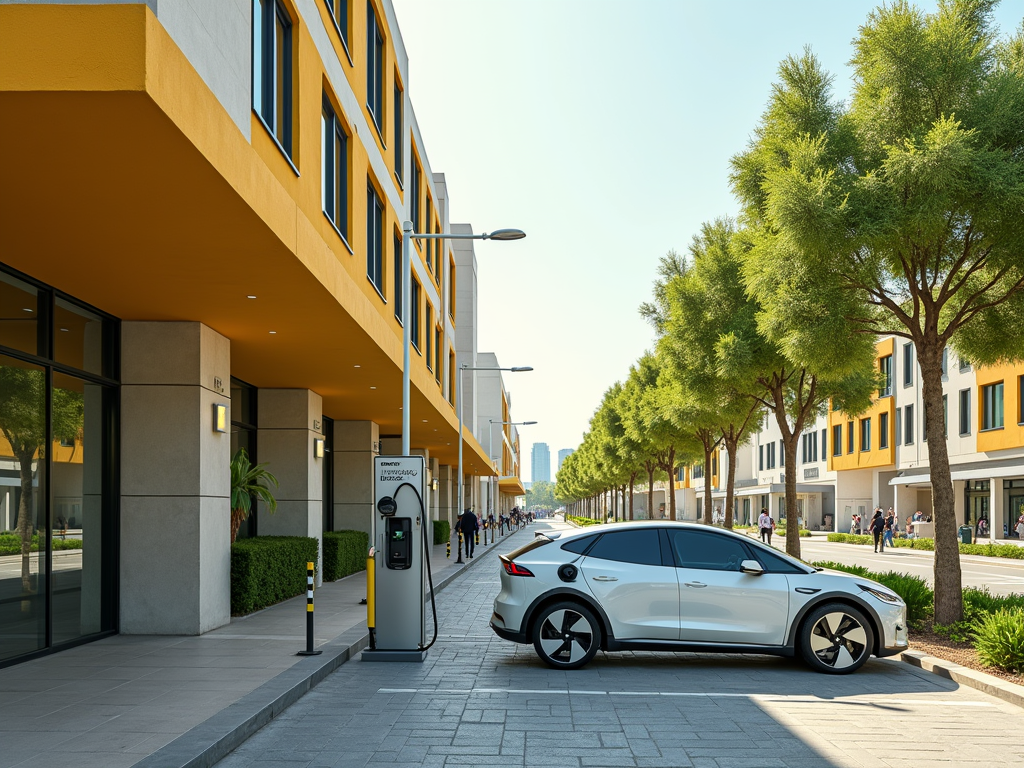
column 310, row 570
column 476, row 538
column 448, row 548
column 371, row 606
column 460, row 560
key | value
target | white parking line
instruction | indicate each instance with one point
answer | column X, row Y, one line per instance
column 878, row 702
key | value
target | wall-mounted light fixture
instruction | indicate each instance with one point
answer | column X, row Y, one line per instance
column 318, row 448
column 433, row 484
column 220, row 417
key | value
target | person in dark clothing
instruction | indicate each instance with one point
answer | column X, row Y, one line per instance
column 877, row 527
column 469, row 525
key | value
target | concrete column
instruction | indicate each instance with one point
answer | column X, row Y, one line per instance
column 959, row 502
column 435, row 496
column 447, row 492
column 175, row 480
column 355, row 445
column 996, row 507
column 289, row 421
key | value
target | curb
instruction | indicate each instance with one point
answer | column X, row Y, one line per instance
column 215, row 738
column 993, row 686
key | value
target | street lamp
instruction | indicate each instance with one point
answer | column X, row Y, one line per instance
column 490, row 438
column 407, row 237
column 458, row 397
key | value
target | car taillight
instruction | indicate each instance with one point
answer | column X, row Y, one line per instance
column 516, row 570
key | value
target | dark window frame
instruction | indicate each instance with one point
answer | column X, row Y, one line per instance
column 264, row 57
column 338, row 10
column 988, row 402
column 908, row 364
column 334, row 185
column 908, row 424
column 375, row 69
column 837, row 439
column 885, row 366
column 398, row 277
column 375, row 238
column 883, row 431
column 965, row 411
column 399, row 121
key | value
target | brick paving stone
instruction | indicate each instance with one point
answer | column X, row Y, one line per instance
column 475, row 702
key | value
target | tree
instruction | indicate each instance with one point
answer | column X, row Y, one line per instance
column 23, row 423
column 247, row 482
column 903, row 209
column 541, row 495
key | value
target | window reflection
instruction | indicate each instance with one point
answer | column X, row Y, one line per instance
column 19, row 314
column 77, row 337
column 22, row 495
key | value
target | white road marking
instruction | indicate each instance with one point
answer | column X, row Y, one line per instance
column 694, row 694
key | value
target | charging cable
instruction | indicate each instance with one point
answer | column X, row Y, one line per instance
column 426, row 554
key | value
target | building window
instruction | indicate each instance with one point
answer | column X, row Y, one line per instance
column 437, row 353
column 837, row 439
column 885, row 364
column 414, row 193
column 339, row 14
column 782, row 454
column 451, row 289
column 414, row 314
column 824, row 444
column 374, row 67
column 899, row 426
column 965, row 365
column 430, row 243
column 760, row 458
column 399, row 130
column 883, row 430
column 945, row 361
column 849, row 437
column 908, row 365
column 965, row 411
column 272, row 69
column 865, row 434
column 430, row 337
column 451, row 377
column 771, row 455
column 398, row 277
column 992, row 406
column 334, row 151
column 1020, row 399
column 908, row 425
column 375, row 238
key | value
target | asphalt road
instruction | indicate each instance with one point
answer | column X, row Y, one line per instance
column 999, row 576
column 480, row 701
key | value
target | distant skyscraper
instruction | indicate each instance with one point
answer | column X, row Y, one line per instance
column 564, row 454
column 540, row 467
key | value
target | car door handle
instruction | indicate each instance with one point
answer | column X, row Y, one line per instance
column 605, row 578
column 698, row 584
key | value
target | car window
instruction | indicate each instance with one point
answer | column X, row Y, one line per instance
column 774, row 563
column 579, row 546
column 642, row 547
column 711, row 551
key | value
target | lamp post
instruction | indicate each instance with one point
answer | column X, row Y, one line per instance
column 490, row 437
column 462, row 369
column 407, row 237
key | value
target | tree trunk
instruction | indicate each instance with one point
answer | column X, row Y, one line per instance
column 672, row 483
column 632, row 481
column 792, row 515
column 709, row 448
column 650, row 490
column 949, row 600
column 731, row 443
column 237, row 518
column 25, row 527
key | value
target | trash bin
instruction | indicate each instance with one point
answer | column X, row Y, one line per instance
column 965, row 534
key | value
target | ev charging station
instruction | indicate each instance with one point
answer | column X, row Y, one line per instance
column 400, row 539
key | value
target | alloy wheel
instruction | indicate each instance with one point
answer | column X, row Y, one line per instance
column 838, row 640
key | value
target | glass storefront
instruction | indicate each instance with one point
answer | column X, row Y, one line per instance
column 58, row 482
column 243, row 435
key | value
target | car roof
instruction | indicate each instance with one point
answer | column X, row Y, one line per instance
column 633, row 524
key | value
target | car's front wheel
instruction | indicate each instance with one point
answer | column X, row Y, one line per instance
column 566, row 635
column 836, row 639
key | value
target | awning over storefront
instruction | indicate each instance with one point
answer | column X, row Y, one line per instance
column 980, row 473
column 511, row 485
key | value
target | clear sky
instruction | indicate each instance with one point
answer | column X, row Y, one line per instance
column 604, row 131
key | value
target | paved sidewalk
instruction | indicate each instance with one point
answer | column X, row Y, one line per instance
column 163, row 700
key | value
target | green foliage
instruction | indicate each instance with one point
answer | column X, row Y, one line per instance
column 993, row 550
column 541, row 495
column 856, row 570
column 247, row 480
column 442, row 531
column 1011, row 551
column 849, row 538
column 978, row 603
column 345, row 553
column 780, row 530
column 999, row 639
column 914, row 590
column 10, row 544
column 583, row 522
column 268, row 569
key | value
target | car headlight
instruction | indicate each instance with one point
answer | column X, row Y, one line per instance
column 885, row 596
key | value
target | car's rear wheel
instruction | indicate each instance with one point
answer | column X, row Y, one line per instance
column 836, row 639
column 566, row 635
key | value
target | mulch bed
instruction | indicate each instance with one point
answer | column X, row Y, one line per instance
column 940, row 646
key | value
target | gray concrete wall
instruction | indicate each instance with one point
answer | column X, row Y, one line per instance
column 175, row 482
column 355, row 445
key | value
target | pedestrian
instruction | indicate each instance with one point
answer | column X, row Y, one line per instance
column 468, row 526
column 764, row 525
column 1020, row 527
column 887, row 532
column 877, row 527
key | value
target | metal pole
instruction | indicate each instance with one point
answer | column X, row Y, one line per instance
column 462, row 500
column 309, row 613
column 406, row 330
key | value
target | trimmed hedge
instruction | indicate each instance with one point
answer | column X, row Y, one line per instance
column 1011, row 551
column 583, row 522
column 442, row 531
column 267, row 570
column 10, row 544
column 345, row 553
column 781, row 531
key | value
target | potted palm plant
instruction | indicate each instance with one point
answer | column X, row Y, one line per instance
column 247, row 482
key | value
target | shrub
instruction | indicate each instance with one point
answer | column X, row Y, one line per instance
column 442, row 531
column 267, row 570
column 780, row 530
column 344, row 553
column 993, row 550
column 10, row 544
column 581, row 521
column 999, row 639
column 849, row 538
column 856, row 570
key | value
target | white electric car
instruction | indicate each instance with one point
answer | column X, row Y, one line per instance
column 683, row 587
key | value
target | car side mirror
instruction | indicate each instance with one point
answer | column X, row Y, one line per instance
column 752, row 567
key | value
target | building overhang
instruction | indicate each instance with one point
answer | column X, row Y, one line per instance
column 511, row 485
column 128, row 186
